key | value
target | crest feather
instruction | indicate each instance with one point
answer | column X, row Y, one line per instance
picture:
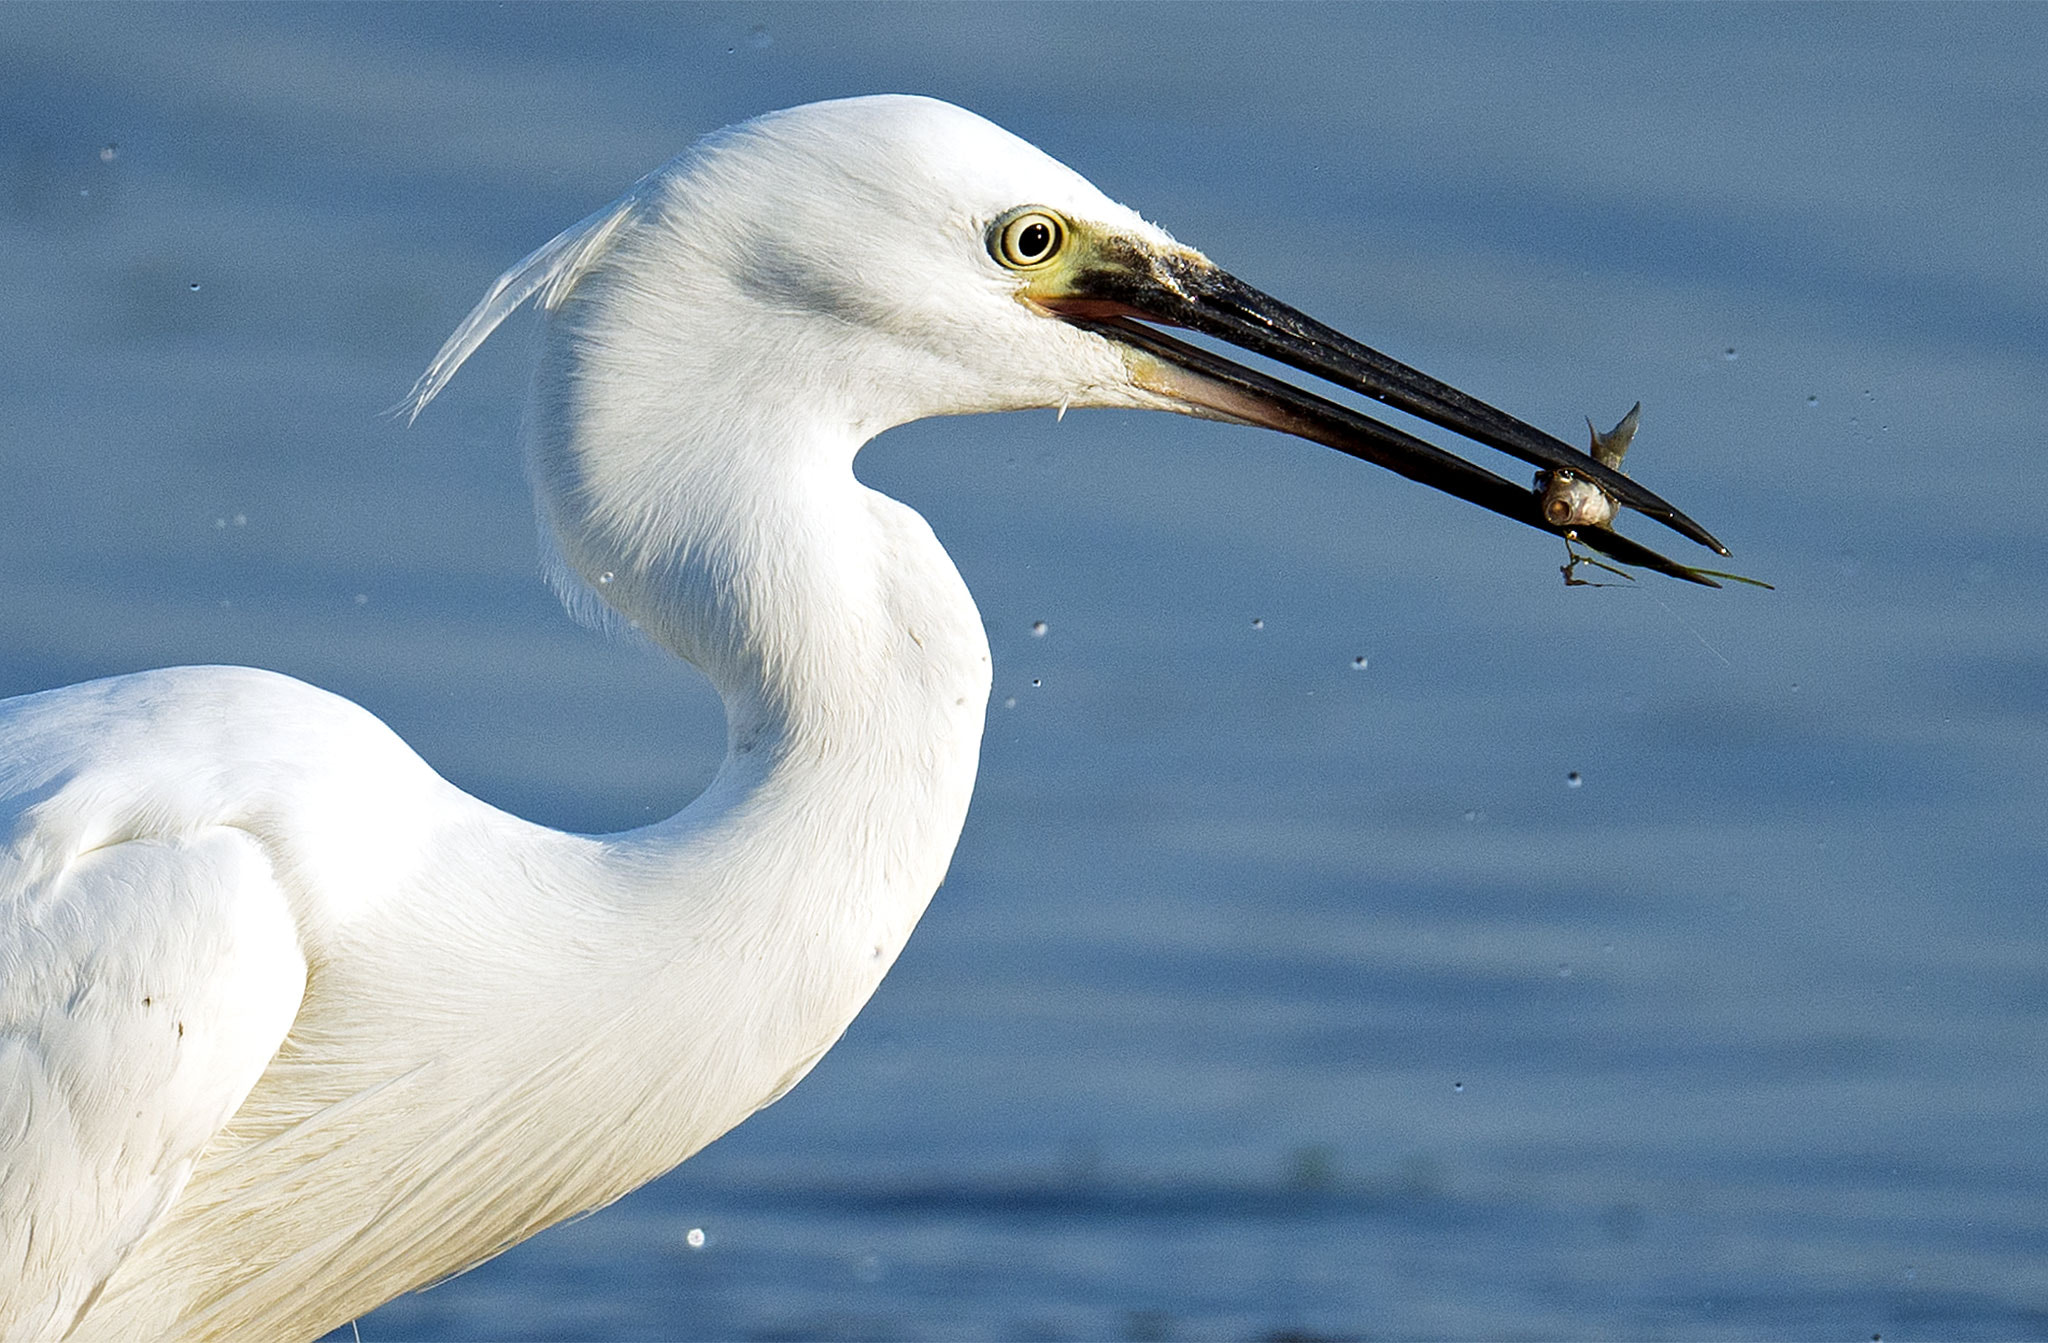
column 550, row 271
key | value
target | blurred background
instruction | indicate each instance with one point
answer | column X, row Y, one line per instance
column 1357, row 933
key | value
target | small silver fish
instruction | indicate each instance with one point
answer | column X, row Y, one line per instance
column 1569, row 500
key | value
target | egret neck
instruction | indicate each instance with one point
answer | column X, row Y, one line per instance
column 704, row 493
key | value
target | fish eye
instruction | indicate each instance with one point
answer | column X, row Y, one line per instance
column 1027, row 237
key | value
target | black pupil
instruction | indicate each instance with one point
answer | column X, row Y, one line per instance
column 1033, row 240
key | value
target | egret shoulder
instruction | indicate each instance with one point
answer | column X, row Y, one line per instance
column 167, row 756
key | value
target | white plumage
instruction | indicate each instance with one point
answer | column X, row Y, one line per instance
column 288, row 1024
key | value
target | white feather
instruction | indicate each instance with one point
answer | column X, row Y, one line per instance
column 417, row 1029
column 549, row 271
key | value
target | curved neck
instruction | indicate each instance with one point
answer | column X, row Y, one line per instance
column 821, row 610
column 727, row 525
column 678, row 977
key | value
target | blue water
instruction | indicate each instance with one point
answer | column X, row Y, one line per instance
column 1268, row 997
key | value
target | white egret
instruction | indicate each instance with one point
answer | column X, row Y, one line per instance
column 289, row 1025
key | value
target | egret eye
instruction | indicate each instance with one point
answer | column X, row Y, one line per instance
column 1028, row 238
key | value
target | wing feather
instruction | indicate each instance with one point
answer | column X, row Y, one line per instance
column 144, row 987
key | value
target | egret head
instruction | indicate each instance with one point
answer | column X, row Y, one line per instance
column 864, row 259
column 871, row 261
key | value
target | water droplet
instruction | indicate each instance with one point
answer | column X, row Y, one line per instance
column 241, row 519
column 1574, row 780
column 1038, row 628
column 694, row 1238
column 220, row 524
column 604, row 580
column 1458, row 1086
column 1812, row 400
column 1257, row 623
column 1564, row 969
column 1358, row 663
column 194, row 286
column 109, row 152
column 1728, row 353
column 1010, row 702
column 1036, row 682
column 1474, row 816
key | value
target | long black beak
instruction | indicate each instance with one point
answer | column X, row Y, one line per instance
column 1121, row 295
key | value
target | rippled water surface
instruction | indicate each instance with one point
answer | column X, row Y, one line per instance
column 1270, row 996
